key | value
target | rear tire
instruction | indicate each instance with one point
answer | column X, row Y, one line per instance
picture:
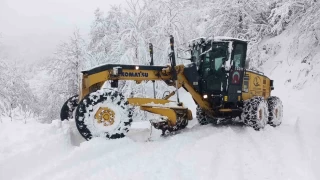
column 104, row 113
column 255, row 112
column 201, row 116
column 68, row 108
column 275, row 110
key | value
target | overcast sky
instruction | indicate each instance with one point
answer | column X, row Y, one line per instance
column 31, row 29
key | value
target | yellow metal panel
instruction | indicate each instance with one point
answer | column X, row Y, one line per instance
column 189, row 115
column 259, row 85
column 225, row 110
column 141, row 75
column 143, row 101
column 96, row 78
column 127, row 74
column 245, row 96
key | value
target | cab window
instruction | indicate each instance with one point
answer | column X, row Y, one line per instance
column 239, row 55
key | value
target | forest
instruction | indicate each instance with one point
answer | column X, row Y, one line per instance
column 122, row 35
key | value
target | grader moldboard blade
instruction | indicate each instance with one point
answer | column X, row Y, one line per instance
column 174, row 117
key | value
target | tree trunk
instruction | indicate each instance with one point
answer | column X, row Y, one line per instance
column 10, row 114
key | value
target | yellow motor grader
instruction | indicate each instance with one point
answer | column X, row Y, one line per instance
column 220, row 85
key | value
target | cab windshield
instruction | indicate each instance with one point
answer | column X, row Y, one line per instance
column 214, row 58
column 210, row 60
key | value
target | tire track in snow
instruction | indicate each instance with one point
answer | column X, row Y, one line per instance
column 305, row 154
column 258, row 156
column 229, row 166
column 280, row 153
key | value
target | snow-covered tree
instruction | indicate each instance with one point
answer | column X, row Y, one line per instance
column 122, row 35
column 66, row 64
column 310, row 22
column 15, row 94
column 3, row 91
column 64, row 69
column 286, row 12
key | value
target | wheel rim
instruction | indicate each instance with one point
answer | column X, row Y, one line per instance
column 260, row 114
column 105, row 115
column 276, row 113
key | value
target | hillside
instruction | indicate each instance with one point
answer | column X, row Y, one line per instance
column 291, row 151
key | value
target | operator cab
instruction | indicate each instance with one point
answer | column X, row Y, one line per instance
column 220, row 63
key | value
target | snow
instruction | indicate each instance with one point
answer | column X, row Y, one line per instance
column 229, row 63
column 36, row 151
column 197, row 40
column 56, row 151
column 225, row 38
column 187, row 65
column 214, row 38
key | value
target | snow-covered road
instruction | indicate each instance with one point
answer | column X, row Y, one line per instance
column 55, row 151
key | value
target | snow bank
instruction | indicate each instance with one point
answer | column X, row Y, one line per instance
column 49, row 151
column 201, row 152
column 26, row 148
column 295, row 68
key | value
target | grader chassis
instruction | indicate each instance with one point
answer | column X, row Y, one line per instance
column 216, row 78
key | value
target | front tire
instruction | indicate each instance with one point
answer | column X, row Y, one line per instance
column 68, row 108
column 275, row 110
column 255, row 112
column 104, row 113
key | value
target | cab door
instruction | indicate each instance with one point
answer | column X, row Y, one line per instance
column 237, row 71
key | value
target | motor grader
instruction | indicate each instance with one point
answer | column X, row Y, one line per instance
column 223, row 89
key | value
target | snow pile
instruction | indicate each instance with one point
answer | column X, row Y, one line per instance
column 26, row 148
column 55, row 151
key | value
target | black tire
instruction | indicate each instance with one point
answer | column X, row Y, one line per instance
column 201, row 116
column 255, row 112
column 68, row 108
column 275, row 110
column 183, row 124
column 89, row 126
